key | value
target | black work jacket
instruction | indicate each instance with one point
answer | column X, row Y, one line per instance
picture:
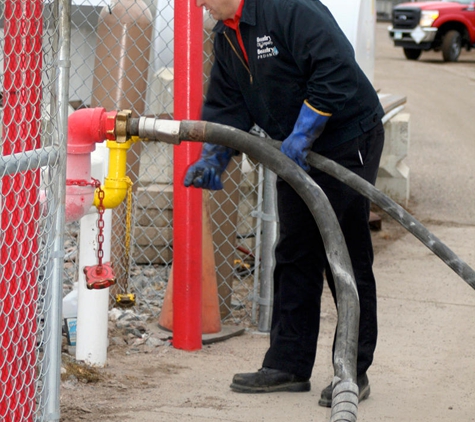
column 296, row 51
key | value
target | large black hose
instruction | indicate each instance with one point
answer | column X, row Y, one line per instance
column 267, row 151
column 351, row 179
column 345, row 403
column 397, row 212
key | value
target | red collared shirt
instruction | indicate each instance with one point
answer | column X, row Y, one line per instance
column 234, row 24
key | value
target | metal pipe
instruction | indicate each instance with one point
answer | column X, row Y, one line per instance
column 28, row 160
column 116, row 183
column 187, row 203
column 86, row 127
column 346, row 339
column 53, row 327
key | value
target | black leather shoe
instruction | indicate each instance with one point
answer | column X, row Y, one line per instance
column 268, row 380
column 363, row 386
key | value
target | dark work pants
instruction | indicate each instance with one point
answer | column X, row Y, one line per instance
column 301, row 261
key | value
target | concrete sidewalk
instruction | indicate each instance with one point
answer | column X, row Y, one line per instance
column 424, row 365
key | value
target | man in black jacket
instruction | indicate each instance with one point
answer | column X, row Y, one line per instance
column 286, row 66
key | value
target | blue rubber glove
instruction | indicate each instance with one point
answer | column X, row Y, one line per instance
column 308, row 127
column 206, row 172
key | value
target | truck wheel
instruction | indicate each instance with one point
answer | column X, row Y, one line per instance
column 412, row 53
column 451, row 46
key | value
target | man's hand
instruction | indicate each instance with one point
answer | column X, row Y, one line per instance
column 308, row 127
column 206, row 172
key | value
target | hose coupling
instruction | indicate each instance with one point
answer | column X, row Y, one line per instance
column 344, row 401
column 121, row 123
column 152, row 129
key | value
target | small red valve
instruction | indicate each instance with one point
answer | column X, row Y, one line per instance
column 99, row 276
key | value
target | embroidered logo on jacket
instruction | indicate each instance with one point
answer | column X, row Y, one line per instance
column 265, row 47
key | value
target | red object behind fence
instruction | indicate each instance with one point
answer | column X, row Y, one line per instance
column 20, row 210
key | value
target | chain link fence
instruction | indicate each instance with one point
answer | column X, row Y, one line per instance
column 31, row 169
column 122, row 58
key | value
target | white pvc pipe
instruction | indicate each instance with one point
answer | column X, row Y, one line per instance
column 93, row 305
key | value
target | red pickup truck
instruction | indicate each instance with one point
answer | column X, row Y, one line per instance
column 446, row 26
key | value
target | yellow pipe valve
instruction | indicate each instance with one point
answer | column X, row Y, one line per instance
column 116, row 183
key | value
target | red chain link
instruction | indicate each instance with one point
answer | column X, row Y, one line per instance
column 100, row 222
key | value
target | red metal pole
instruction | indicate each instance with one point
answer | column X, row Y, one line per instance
column 20, row 210
column 187, row 202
